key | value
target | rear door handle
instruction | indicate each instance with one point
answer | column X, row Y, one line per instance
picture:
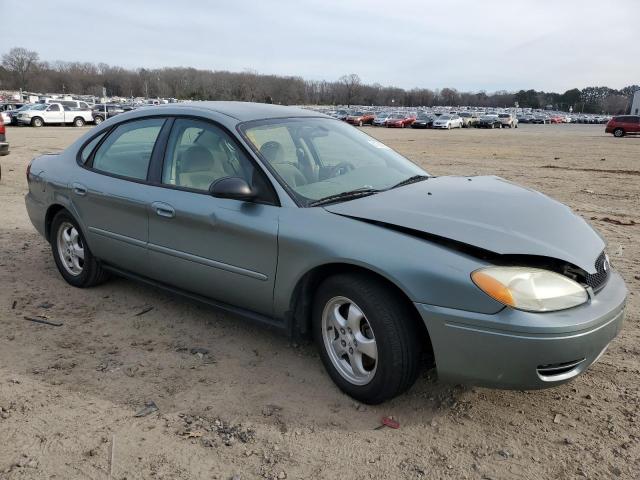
column 163, row 209
column 79, row 189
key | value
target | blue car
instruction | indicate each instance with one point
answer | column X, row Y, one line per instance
column 300, row 221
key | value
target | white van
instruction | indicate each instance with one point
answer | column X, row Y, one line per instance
column 80, row 105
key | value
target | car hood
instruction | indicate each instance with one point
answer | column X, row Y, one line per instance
column 486, row 212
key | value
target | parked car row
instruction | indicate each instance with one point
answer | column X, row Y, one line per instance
column 63, row 112
column 445, row 120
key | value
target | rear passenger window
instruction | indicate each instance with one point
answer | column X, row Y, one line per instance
column 88, row 149
column 127, row 150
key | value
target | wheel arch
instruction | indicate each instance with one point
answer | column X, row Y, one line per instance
column 302, row 297
column 51, row 213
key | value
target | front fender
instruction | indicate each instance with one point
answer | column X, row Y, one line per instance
column 426, row 272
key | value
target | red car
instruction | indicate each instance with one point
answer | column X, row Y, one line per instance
column 360, row 118
column 400, row 121
column 556, row 119
column 623, row 124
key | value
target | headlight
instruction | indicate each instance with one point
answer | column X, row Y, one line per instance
column 531, row 289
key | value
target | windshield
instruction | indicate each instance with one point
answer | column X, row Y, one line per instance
column 444, row 117
column 319, row 157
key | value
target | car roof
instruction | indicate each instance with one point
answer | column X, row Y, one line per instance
column 241, row 111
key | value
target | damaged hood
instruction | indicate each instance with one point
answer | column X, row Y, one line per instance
column 486, row 212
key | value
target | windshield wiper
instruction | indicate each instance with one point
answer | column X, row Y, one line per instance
column 414, row 179
column 348, row 195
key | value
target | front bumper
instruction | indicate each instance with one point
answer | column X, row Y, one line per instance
column 520, row 350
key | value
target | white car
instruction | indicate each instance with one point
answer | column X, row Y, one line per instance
column 508, row 120
column 56, row 113
column 448, row 122
column 77, row 104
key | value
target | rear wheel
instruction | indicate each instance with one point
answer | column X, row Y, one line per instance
column 618, row 132
column 367, row 337
column 74, row 260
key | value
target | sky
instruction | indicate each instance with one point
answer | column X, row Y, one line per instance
column 471, row 45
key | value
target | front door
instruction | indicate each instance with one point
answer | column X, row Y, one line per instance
column 219, row 248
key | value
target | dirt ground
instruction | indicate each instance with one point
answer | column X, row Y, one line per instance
column 256, row 406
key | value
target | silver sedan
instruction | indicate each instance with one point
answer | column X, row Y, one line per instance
column 307, row 224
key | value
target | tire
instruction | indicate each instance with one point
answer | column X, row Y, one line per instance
column 618, row 132
column 78, row 122
column 98, row 120
column 515, row 126
column 79, row 272
column 396, row 343
column 37, row 122
column 360, row 123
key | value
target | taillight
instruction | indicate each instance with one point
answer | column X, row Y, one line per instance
column 2, row 128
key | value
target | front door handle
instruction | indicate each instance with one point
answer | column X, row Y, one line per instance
column 163, row 209
column 79, row 189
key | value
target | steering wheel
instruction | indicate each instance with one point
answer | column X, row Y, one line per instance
column 340, row 169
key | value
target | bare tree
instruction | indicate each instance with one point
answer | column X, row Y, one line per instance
column 351, row 84
column 21, row 62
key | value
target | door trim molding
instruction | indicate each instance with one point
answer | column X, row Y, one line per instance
column 117, row 236
column 207, row 262
column 182, row 255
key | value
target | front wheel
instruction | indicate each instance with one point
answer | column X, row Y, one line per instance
column 78, row 122
column 74, row 260
column 618, row 132
column 368, row 340
column 37, row 122
column 98, row 120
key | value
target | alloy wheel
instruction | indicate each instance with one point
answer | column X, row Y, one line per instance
column 349, row 340
column 70, row 248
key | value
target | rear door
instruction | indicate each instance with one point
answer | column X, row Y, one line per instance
column 112, row 195
column 218, row 248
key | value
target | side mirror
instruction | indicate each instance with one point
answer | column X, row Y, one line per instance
column 235, row 188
